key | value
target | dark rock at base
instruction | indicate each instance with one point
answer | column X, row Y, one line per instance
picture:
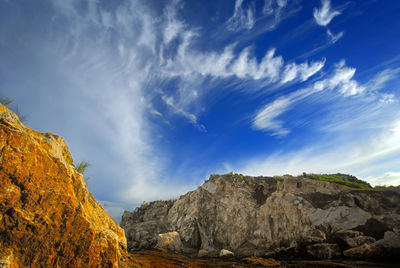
column 323, row 251
column 354, row 238
column 385, row 248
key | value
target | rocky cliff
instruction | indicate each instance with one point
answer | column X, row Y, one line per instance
column 242, row 215
column 48, row 218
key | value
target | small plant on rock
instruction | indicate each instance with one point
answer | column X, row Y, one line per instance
column 82, row 166
column 5, row 101
column 21, row 117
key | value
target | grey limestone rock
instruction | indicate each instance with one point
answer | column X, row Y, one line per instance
column 259, row 216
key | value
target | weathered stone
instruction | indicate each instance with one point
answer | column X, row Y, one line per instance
column 361, row 252
column 391, row 239
column 204, row 253
column 359, row 240
column 225, row 253
column 354, row 238
column 346, row 234
column 263, row 215
column 170, row 241
column 314, row 236
column 387, row 247
column 48, row 218
column 323, row 251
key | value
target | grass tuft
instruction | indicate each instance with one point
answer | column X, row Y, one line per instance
column 82, row 166
column 5, row 101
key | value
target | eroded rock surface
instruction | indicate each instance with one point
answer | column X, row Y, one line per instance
column 265, row 216
column 48, row 218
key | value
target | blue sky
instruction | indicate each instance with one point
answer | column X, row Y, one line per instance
column 157, row 95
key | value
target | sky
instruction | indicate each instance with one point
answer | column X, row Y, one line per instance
column 157, row 95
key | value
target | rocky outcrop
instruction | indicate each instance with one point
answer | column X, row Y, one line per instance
column 265, row 216
column 48, row 218
column 143, row 226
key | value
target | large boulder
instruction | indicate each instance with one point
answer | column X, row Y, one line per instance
column 226, row 253
column 48, row 218
column 258, row 216
column 170, row 241
column 385, row 248
column 354, row 238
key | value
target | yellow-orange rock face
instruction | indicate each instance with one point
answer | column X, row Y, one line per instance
column 48, row 218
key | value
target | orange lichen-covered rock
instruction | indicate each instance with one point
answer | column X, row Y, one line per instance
column 48, row 217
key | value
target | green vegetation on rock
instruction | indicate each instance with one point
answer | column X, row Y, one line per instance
column 5, row 101
column 232, row 175
column 385, row 187
column 338, row 178
column 82, row 166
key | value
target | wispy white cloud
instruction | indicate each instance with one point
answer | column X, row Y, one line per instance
column 325, row 14
column 173, row 25
column 303, row 71
column 191, row 117
column 242, row 18
column 379, row 80
column 387, row 98
column 266, row 119
column 334, row 37
column 342, row 81
column 245, row 66
column 273, row 13
column 388, row 179
column 245, row 17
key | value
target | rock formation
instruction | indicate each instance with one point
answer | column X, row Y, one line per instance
column 270, row 215
column 48, row 218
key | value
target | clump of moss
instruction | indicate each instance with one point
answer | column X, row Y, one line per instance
column 338, row 178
